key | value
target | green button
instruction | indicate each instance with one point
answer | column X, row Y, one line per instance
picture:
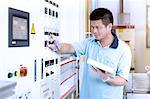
column 10, row 75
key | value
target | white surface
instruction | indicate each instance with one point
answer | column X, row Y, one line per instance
column 7, row 89
column 5, row 85
column 67, row 85
column 100, row 66
column 70, row 15
column 138, row 96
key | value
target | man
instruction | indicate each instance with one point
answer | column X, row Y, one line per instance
column 105, row 47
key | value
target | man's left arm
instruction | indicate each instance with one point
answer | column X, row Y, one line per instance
column 117, row 81
column 122, row 73
column 106, row 77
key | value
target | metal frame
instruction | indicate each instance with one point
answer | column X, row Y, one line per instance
column 147, row 26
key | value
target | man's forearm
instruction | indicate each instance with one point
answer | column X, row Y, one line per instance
column 117, row 81
column 66, row 48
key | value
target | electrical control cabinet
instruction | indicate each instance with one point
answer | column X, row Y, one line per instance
column 24, row 55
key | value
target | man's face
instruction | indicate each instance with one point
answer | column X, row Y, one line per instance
column 99, row 30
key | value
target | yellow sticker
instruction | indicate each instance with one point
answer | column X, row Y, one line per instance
column 32, row 29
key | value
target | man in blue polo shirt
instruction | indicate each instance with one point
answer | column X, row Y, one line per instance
column 105, row 47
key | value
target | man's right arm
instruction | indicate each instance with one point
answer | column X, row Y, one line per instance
column 66, row 48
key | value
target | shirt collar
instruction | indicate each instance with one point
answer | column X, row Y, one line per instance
column 114, row 44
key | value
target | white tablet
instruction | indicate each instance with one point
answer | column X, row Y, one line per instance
column 100, row 66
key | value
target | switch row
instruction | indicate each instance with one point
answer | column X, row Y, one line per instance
column 51, row 62
column 52, row 3
column 50, row 12
column 23, row 71
column 51, row 33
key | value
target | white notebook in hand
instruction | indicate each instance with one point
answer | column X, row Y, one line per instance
column 101, row 66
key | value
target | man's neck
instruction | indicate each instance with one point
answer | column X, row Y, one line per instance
column 107, row 41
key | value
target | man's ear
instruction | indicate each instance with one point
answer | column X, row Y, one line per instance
column 109, row 26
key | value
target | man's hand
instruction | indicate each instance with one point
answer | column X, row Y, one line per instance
column 54, row 44
column 103, row 75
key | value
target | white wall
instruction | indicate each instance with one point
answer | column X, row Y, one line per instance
column 112, row 5
column 137, row 10
column 72, row 20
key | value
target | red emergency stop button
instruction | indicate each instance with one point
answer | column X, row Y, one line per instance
column 23, row 71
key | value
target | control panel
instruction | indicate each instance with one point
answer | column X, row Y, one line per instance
column 27, row 27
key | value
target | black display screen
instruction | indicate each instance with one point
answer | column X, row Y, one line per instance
column 18, row 28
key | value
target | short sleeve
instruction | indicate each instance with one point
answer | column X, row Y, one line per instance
column 80, row 47
column 124, row 65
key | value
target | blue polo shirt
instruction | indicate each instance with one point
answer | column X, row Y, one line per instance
column 116, row 55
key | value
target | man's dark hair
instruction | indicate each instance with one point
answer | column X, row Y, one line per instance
column 102, row 13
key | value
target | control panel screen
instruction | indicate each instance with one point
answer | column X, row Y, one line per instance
column 19, row 28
